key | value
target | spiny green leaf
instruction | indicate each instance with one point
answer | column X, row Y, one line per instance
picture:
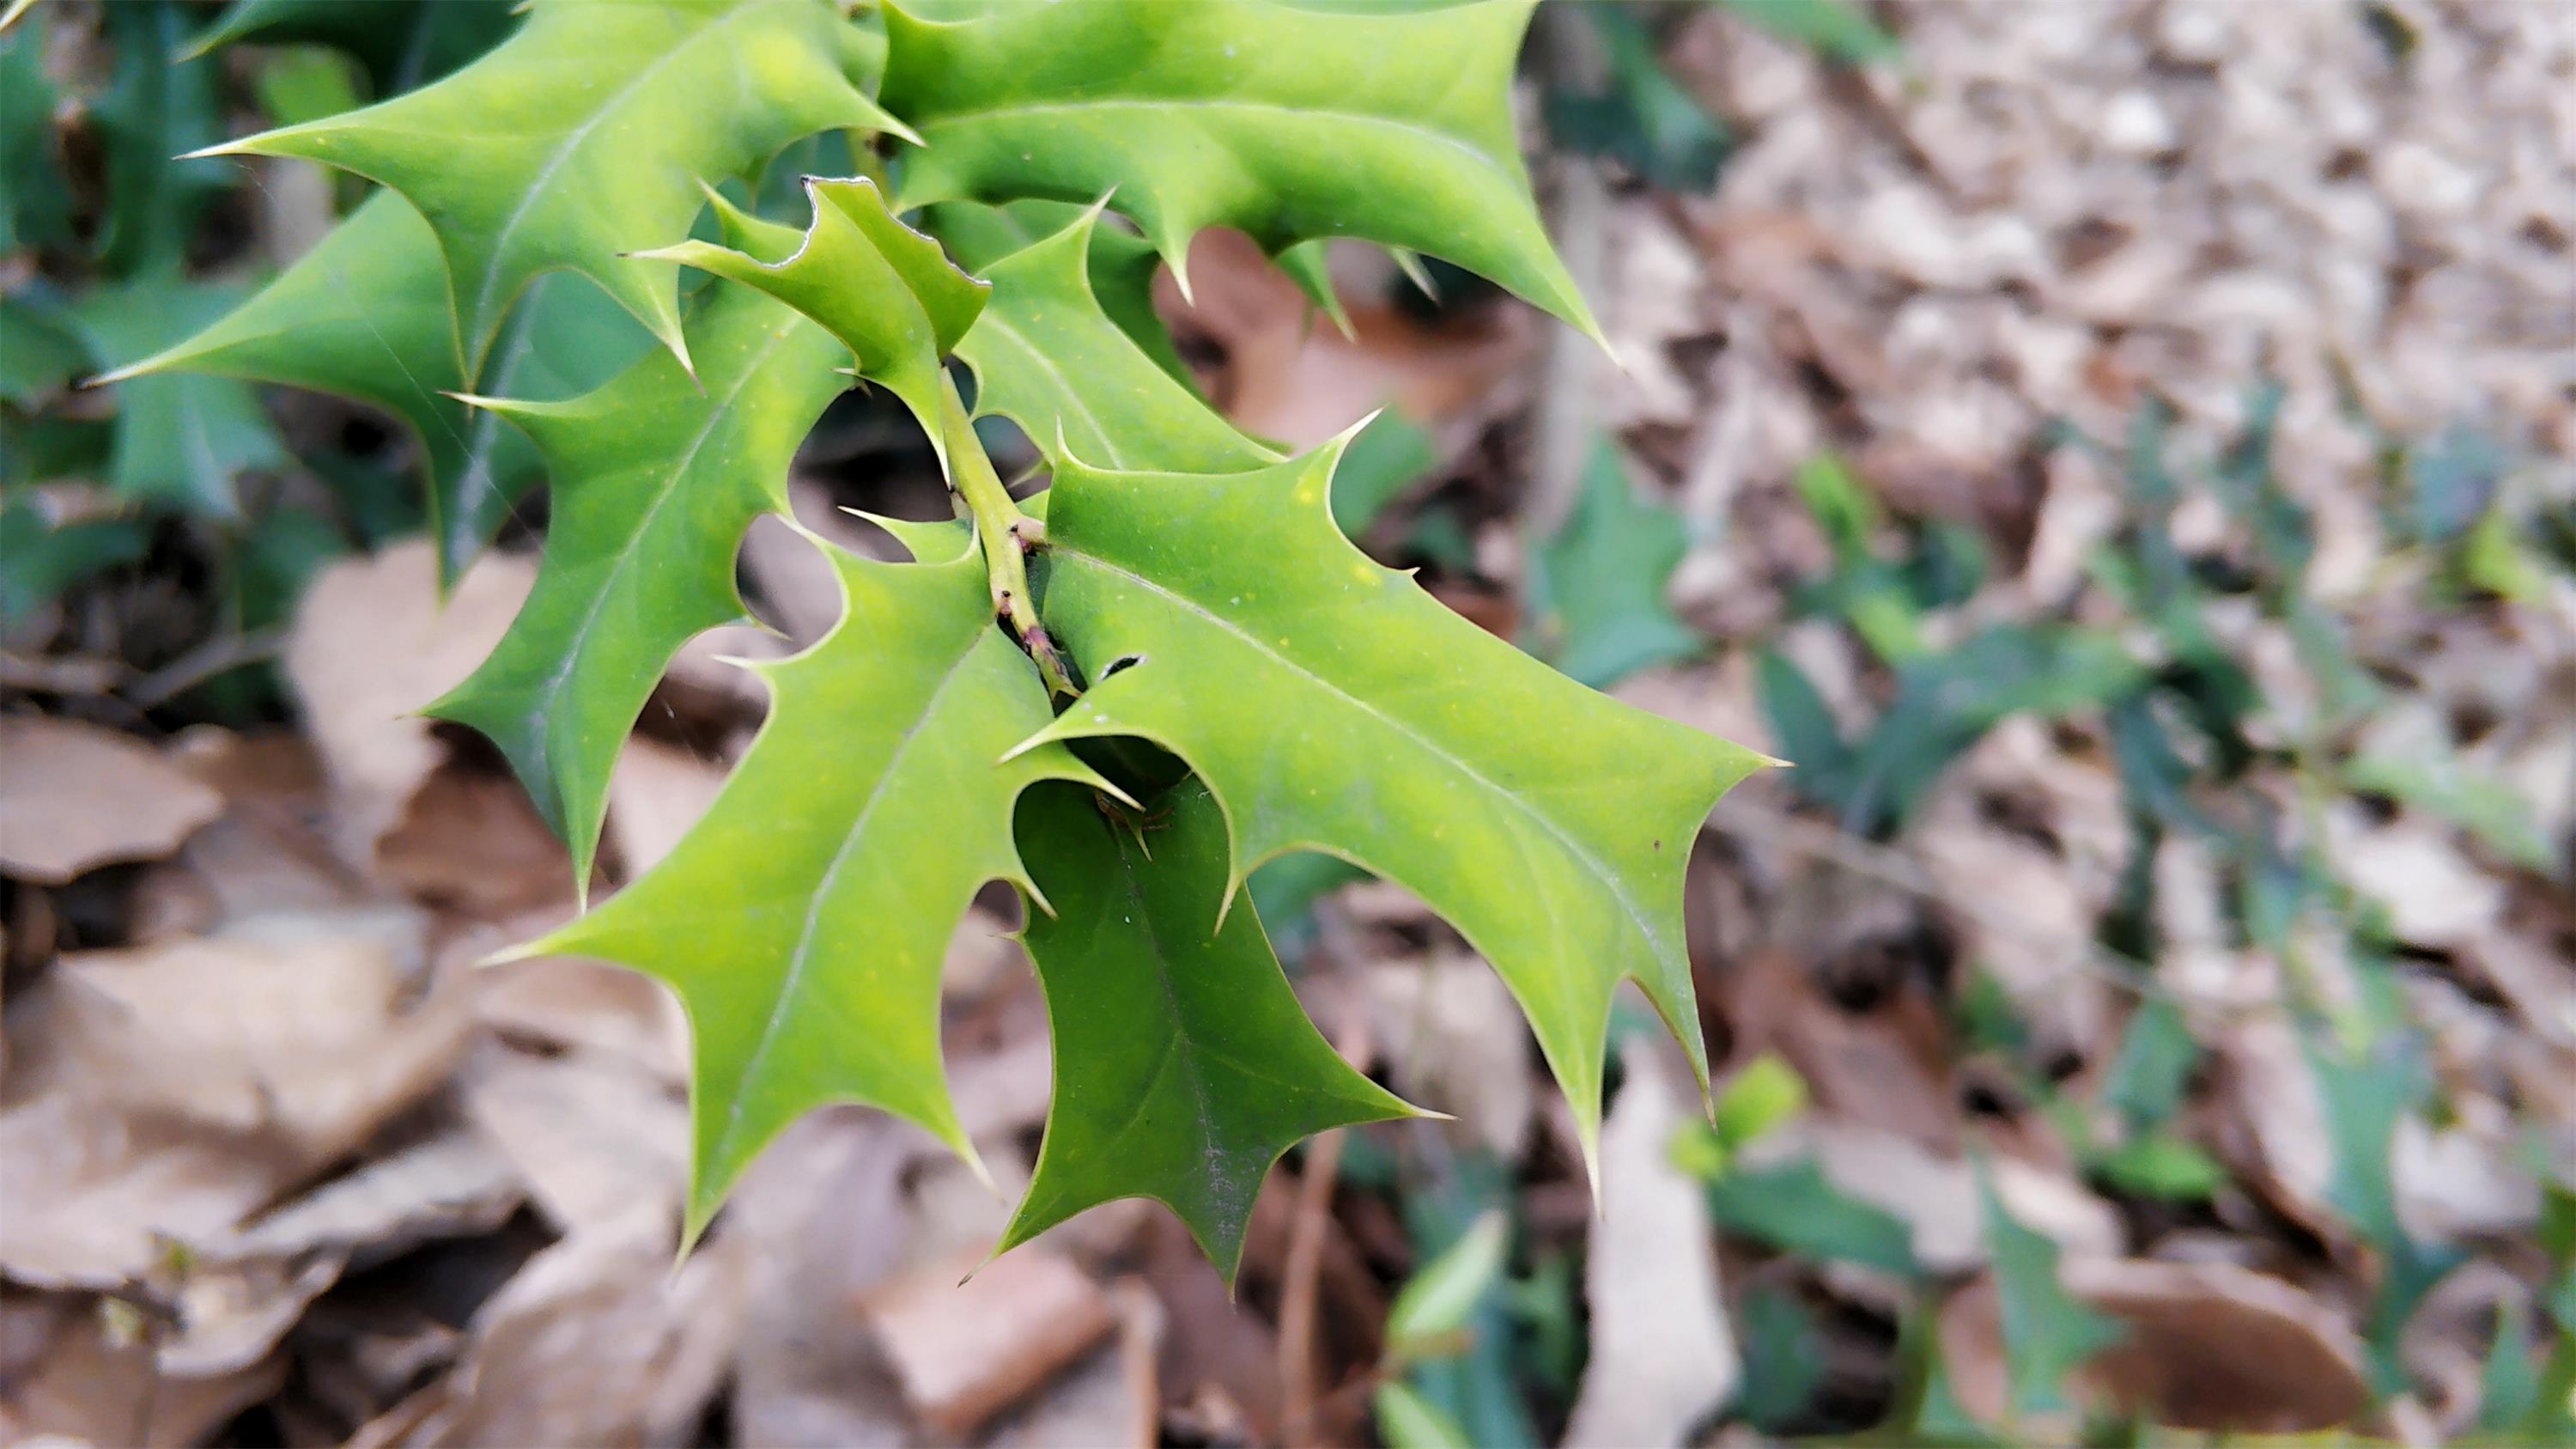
column 2048, row 1333
column 363, row 315
column 35, row 203
column 1281, row 122
column 588, row 134
column 1122, row 264
column 402, row 43
column 1330, row 704
column 1184, row 1065
column 804, row 921
column 152, row 112
column 1598, row 585
column 655, row 483
column 179, row 440
column 888, row 292
column 1047, row 356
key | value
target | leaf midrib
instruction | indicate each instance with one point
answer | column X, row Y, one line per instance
column 669, row 489
column 574, row 139
column 799, row 957
column 1574, row 848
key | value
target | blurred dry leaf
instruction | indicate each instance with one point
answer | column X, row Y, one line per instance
column 2208, row 1347
column 596, row 1136
column 822, row 1217
column 1937, row 1196
column 180, row 1085
column 370, row 647
column 74, row 796
column 1663, row 1357
column 469, row 841
column 597, row 1340
column 1110, row 1398
column 1290, row 375
column 965, row 1350
column 562, row 1002
column 89, row 1389
column 656, row 793
column 1458, row 1045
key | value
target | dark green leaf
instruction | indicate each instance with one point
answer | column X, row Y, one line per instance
column 2047, row 1332
column 1597, row 587
column 156, row 109
column 1184, row 1065
column 1794, row 1209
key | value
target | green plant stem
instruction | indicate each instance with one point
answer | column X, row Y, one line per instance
column 1004, row 533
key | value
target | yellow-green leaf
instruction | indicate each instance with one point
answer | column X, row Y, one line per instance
column 1284, row 122
column 1332, row 705
column 1047, row 356
column 587, row 134
column 657, row 475
column 804, row 920
column 888, row 292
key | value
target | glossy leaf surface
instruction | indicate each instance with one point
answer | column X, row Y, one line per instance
column 804, row 920
column 363, row 315
column 655, row 484
column 1048, row 356
column 887, row 291
column 1331, row 704
column 1283, row 122
column 587, row 135
column 1184, row 1066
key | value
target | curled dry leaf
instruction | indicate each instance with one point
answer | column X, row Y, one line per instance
column 372, row 645
column 964, row 1351
column 75, row 796
column 597, row 1340
column 1663, row 1358
column 2208, row 1347
column 176, row 1087
column 89, row 1387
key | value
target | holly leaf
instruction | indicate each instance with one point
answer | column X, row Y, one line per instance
column 1549, row 823
column 888, row 292
column 1597, row 586
column 1283, row 122
column 179, row 440
column 1047, row 356
column 1184, row 1065
column 655, row 482
column 803, row 922
column 587, row 133
column 363, row 315
column 1121, row 265
column 401, row 43
column 152, row 111
column 35, row 202
column 43, row 557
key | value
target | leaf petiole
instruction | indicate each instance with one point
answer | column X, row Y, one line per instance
column 1004, row 533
